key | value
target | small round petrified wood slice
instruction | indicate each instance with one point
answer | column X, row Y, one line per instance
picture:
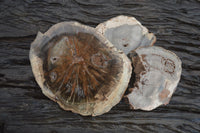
column 79, row 69
column 126, row 33
column 157, row 73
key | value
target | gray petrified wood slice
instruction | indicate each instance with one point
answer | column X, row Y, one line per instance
column 157, row 73
column 126, row 33
column 79, row 68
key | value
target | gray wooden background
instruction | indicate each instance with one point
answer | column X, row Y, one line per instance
column 23, row 107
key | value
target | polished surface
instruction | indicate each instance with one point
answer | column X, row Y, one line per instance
column 23, row 107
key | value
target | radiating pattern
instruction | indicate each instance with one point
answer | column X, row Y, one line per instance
column 77, row 67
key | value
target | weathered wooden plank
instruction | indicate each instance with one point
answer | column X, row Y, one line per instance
column 23, row 107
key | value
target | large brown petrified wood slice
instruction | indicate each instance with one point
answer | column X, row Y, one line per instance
column 79, row 69
column 126, row 33
column 157, row 73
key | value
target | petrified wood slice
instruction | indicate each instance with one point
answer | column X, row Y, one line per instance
column 157, row 73
column 126, row 33
column 79, row 69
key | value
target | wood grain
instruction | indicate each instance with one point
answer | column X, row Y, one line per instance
column 23, row 107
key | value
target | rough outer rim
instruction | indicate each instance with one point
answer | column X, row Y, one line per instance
column 36, row 63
